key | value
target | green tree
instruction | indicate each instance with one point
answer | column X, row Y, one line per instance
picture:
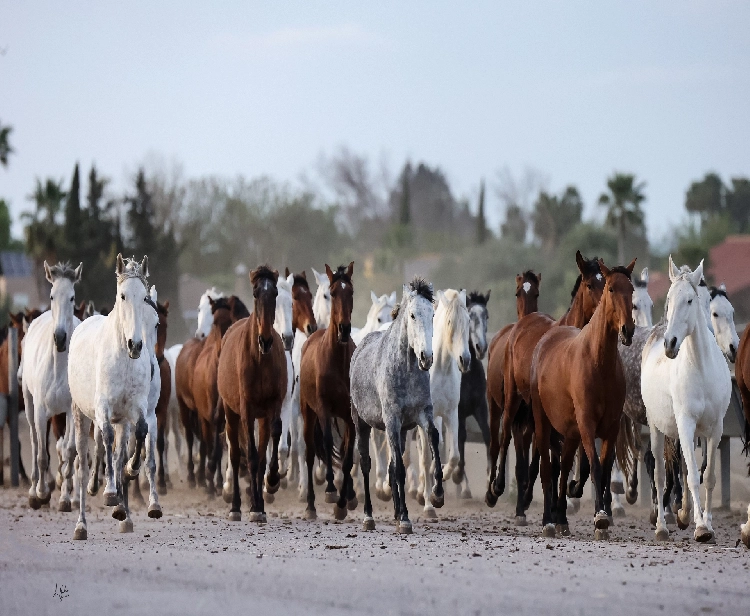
column 5, row 223
column 738, row 203
column 707, row 197
column 5, row 149
column 515, row 224
column 554, row 216
column 482, row 230
column 43, row 232
column 404, row 216
column 624, row 213
column 72, row 226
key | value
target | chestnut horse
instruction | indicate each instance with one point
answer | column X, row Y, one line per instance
column 324, row 393
column 578, row 389
column 252, row 381
column 522, row 341
column 527, row 296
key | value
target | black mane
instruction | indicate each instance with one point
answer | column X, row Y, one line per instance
column 220, row 303
column 341, row 275
column 301, row 281
column 423, row 288
column 263, row 272
column 475, row 297
column 590, row 268
column 620, row 269
column 717, row 291
column 238, row 308
column 642, row 284
column 529, row 276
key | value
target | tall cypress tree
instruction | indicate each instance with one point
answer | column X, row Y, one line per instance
column 405, row 204
column 72, row 228
column 481, row 220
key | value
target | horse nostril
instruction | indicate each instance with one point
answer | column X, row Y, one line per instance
column 673, row 343
column 310, row 329
column 130, row 344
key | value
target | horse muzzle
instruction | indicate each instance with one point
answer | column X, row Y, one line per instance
column 732, row 354
column 264, row 344
column 311, row 328
column 288, row 340
column 345, row 331
column 60, row 337
column 626, row 335
column 480, row 350
column 424, row 361
column 671, row 348
column 464, row 363
column 134, row 348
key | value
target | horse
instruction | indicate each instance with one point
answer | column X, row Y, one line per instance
column 205, row 316
column 115, row 383
column 473, row 398
column 742, row 375
column 378, row 315
column 642, row 303
column 686, row 387
column 45, row 380
column 450, row 346
column 322, row 301
column 324, row 393
column 578, row 390
column 390, row 391
column 252, row 382
column 519, row 349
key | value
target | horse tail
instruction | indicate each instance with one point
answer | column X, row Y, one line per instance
column 671, row 451
column 320, row 446
column 627, row 445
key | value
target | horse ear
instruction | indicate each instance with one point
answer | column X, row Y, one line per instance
column 319, row 278
column 644, row 275
column 673, row 271
column 276, row 276
column 487, row 295
column 120, row 267
column 166, row 306
column 580, row 261
column 519, row 280
column 350, row 269
column 211, row 301
column 329, row 273
column 392, row 298
column 697, row 275
column 373, row 297
column 604, row 269
column 441, row 298
column 539, row 277
column 79, row 271
column 462, row 296
column 48, row 273
column 144, row 266
column 286, row 272
column 632, row 265
column 303, row 274
column 723, row 288
column 290, row 279
column 154, row 296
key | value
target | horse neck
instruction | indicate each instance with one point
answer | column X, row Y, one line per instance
column 575, row 315
column 441, row 345
column 601, row 338
column 699, row 342
column 398, row 336
column 523, row 308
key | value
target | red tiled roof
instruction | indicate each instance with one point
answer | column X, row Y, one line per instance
column 730, row 263
column 658, row 285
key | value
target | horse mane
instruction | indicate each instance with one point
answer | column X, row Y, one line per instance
column 132, row 270
column 716, row 291
column 263, row 272
column 63, row 270
column 453, row 308
column 475, row 297
column 162, row 309
column 151, row 303
column 590, row 268
column 421, row 287
column 620, row 269
column 301, row 281
column 641, row 284
column 530, row 276
column 219, row 304
column 239, row 310
column 340, row 274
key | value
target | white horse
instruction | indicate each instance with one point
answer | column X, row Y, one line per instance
column 45, row 382
column 643, row 306
column 111, row 374
column 205, row 316
column 450, row 346
column 379, row 315
column 722, row 322
column 686, row 388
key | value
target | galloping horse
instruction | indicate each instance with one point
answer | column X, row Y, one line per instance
column 324, row 392
column 45, row 381
column 390, row 391
column 252, row 383
column 527, row 296
column 578, row 389
column 742, row 374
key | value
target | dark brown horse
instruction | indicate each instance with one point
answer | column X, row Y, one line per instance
column 324, row 393
column 303, row 318
column 578, row 389
column 522, row 341
column 252, row 381
column 527, row 296
column 742, row 376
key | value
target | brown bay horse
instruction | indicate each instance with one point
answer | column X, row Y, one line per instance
column 578, row 390
column 303, row 318
column 252, row 381
column 324, row 394
column 522, row 341
column 742, row 376
column 527, row 296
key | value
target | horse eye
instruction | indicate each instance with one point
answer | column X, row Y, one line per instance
column 716, row 315
column 326, row 296
column 413, row 317
column 380, row 320
column 122, row 296
column 635, row 307
column 588, row 286
column 72, row 299
column 690, row 301
column 50, row 298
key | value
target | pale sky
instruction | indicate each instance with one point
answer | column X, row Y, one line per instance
column 576, row 90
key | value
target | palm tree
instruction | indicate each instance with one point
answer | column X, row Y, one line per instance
column 623, row 203
column 43, row 233
column 5, row 149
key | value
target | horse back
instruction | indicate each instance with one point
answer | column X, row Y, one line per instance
column 496, row 363
column 324, row 375
column 522, row 341
column 185, row 371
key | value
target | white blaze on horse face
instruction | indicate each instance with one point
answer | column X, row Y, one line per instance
column 129, row 306
column 322, row 301
column 283, row 317
column 62, row 302
column 205, row 317
column 526, row 287
column 453, row 316
column 722, row 319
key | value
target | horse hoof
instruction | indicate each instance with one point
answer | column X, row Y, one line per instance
column 234, row 516
column 746, row 539
column 111, row 500
column 339, row 513
column 380, row 494
column 430, row 514
column 130, row 472
column 80, row 534
column 662, row 534
column 669, row 518
column 46, row 498
column 257, row 516
column 601, row 520
column 311, row 514
column 548, row 531
column 404, row 527
column 490, row 499
column 331, row 497
column 351, row 504
column 437, row 500
column 126, row 526
column 319, row 481
column 652, row 517
column 631, row 496
column 618, row 512
column 272, row 488
column 34, row 502
column 420, row 498
column 702, row 534
column 75, row 503
column 601, row 534
column 154, row 511
column 227, row 496
column 64, row 506
column 368, row 523
column 563, row 530
column 92, row 491
column 616, row 487
column 521, row 520
column 269, row 497
column 118, row 512
column 161, row 490
column 191, row 482
column 457, row 476
column 683, row 519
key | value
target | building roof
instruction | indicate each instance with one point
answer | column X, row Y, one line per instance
column 730, row 263
column 15, row 264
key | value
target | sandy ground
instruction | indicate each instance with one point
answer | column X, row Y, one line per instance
column 473, row 560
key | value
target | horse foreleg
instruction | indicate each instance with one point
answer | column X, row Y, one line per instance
column 82, row 427
column 161, row 448
column 344, row 501
column 121, row 511
column 273, row 477
column 68, row 451
column 588, row 439
column 617, row 487
column 309, row 433
column 133, row 466
column 657, row 449
column 42, row 459
column 330, row 493
column 93, row 486
column 567, row 458
column 265, row 427
column 154, row 509
column 512, row 404
column 709, row 483
column 462, row 487
column 363, row 431
column 398, row 476
column 424, row 462
column 233, row 439
column 686, row 430
column 187, row 425
column 522, row 472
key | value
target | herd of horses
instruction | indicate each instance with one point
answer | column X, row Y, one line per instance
column 295, row 394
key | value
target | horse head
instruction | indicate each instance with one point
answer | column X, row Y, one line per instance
column 684, row 307
column 322, row 301
column 221, row 314
column 131, row 301
column 589, row 285
column 303, row 316
column 642, row 304
column 62, row 298
column 417, row 309
column 264, row 281
column 283, row 319
column 453, row 316
column 527, row 292
column 205, row 317
column 618, row 299
column 161, row 328
column 722, row 319
column 342, row 300
column 28, row 316
column 380, row 311
column 478, row 315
